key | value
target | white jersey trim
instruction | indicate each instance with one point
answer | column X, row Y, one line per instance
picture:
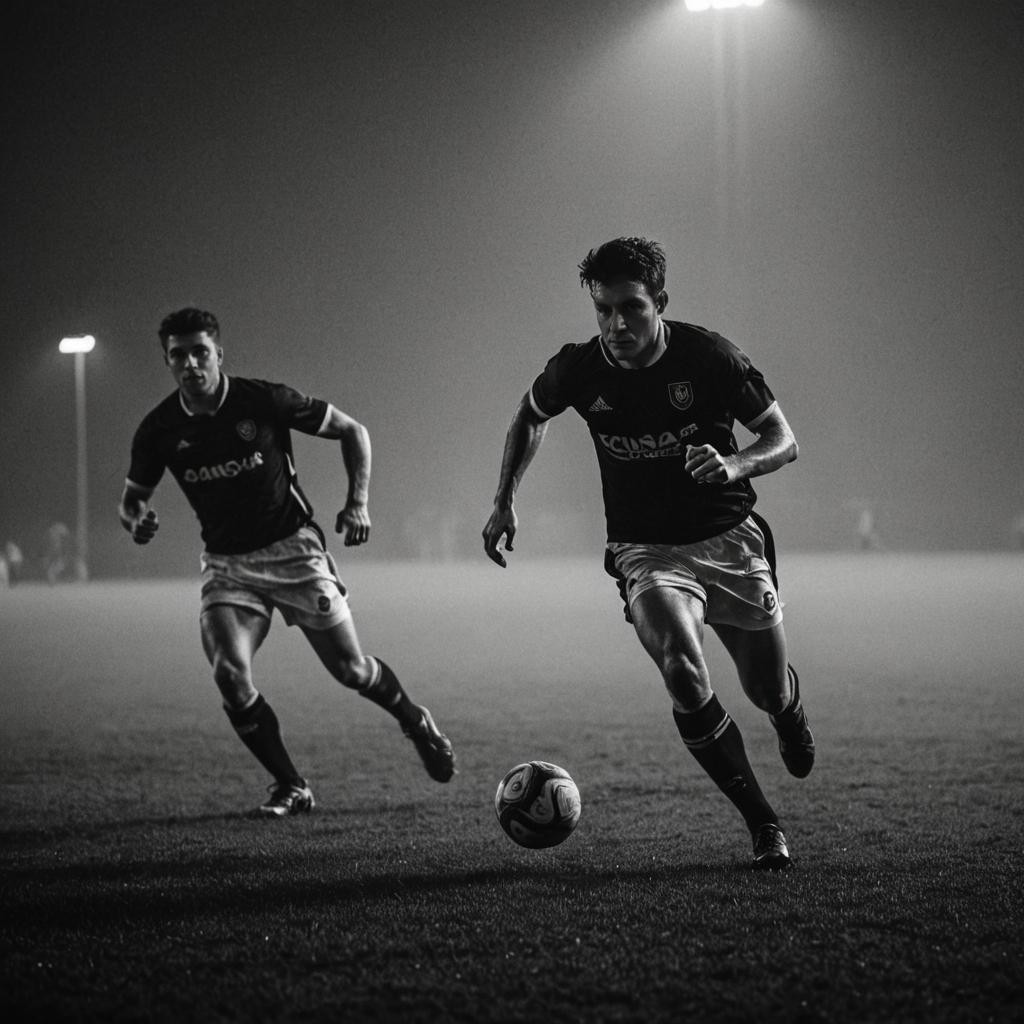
column 223, row 397
column 538, row 411
column 758, row 420
column 129, row 482
column 325, row 420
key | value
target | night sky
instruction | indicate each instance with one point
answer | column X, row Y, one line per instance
column 384, row 203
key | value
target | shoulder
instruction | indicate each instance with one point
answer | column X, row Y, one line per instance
column 713, row 349
column 257, row 392
column 578, row 357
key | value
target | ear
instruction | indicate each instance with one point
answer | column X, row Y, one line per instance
column 220, row 355
column 661, row 301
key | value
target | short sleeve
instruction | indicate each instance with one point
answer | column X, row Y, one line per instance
column 549, row 394
column 742, row 385
column 147, row 466
column 298, row 411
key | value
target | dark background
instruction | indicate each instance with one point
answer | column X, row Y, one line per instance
column 384, row 203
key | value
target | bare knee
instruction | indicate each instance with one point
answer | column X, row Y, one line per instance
column 234, row 680
column 686, row 678
column 354, row 672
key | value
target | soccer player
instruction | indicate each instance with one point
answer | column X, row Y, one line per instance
column 660, row 398
column 227, row 442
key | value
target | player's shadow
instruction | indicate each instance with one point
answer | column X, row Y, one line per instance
column 236, row 885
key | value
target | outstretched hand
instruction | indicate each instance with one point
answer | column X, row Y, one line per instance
column 354, row 522
column 502, row 523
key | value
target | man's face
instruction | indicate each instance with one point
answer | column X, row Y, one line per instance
column 194, row 360
column 630, row 320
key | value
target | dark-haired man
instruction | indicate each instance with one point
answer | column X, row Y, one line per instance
column 227, row 442
column 660, row 398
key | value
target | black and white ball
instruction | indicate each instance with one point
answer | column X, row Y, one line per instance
column 537, row 804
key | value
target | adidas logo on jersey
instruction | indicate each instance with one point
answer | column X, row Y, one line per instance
column 600, row 406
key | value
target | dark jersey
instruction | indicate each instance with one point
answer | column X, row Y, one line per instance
column 641, row 421
column 236, row 466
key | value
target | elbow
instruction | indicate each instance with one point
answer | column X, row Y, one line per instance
column 793, row 450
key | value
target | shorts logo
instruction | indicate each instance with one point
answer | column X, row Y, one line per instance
column 323, row 602
column 769, row 601
column 246, row 430
column 680, row 395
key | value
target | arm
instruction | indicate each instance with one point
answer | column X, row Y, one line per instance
column 136, row 516
column 524, row 437
column 354, row 519
column 774, row 447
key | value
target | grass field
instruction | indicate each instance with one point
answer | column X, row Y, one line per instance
column 133, row 888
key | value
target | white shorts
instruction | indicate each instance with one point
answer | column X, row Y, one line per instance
column 731, row 574
column 295, row 575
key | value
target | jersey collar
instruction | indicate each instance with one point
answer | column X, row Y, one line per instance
column 223, row 396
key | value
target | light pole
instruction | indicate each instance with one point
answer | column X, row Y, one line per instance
column 731, row 132
column 79, row 345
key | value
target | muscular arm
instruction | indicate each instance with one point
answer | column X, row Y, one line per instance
column 524, row 437
column 354, row 519
column 136, row 515
column 774, row 447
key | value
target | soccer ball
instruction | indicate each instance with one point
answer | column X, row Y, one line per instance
column 537, row 804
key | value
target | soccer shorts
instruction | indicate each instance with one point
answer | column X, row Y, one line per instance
column 732, row 574
column 296, row 575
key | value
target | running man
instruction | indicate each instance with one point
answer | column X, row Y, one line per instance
column 227, row 442
column 660, row 399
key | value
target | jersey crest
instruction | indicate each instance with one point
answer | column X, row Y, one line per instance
column 246, row 429
column 680, row 395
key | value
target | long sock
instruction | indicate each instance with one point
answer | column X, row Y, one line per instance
column 258, row 728
column 385, row 690
column 715, row 741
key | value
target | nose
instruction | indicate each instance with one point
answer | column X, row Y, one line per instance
column 616, row 324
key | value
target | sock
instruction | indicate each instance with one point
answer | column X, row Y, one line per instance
column 715, row 741
column 386, row 691
column 258, row 728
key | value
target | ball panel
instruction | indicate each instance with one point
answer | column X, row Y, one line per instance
column 538, row 804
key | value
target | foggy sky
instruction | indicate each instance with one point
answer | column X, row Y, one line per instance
column 384, row 203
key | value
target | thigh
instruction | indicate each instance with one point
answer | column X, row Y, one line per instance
column 670, row 624
column 338, row 649
column 761, row 658
column 231, row 636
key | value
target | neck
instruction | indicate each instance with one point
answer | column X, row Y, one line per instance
column 206, row 403
column 652, row 354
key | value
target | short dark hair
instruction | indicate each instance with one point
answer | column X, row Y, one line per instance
column 631, row 259
column 188, row 321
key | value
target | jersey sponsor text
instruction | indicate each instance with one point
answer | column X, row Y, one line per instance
column 668, row 444
column 225, row 470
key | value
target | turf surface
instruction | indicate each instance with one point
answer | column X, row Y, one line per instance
column 133, row 888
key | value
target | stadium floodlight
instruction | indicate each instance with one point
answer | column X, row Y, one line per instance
column 719, row 5
column 79, row 345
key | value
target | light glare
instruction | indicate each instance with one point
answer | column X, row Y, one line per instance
column 718, row 5
column 79, row 343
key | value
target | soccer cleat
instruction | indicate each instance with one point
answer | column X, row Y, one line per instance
column 770, row 850
column 434, row 748
column 796, row 744
column 286, row 799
